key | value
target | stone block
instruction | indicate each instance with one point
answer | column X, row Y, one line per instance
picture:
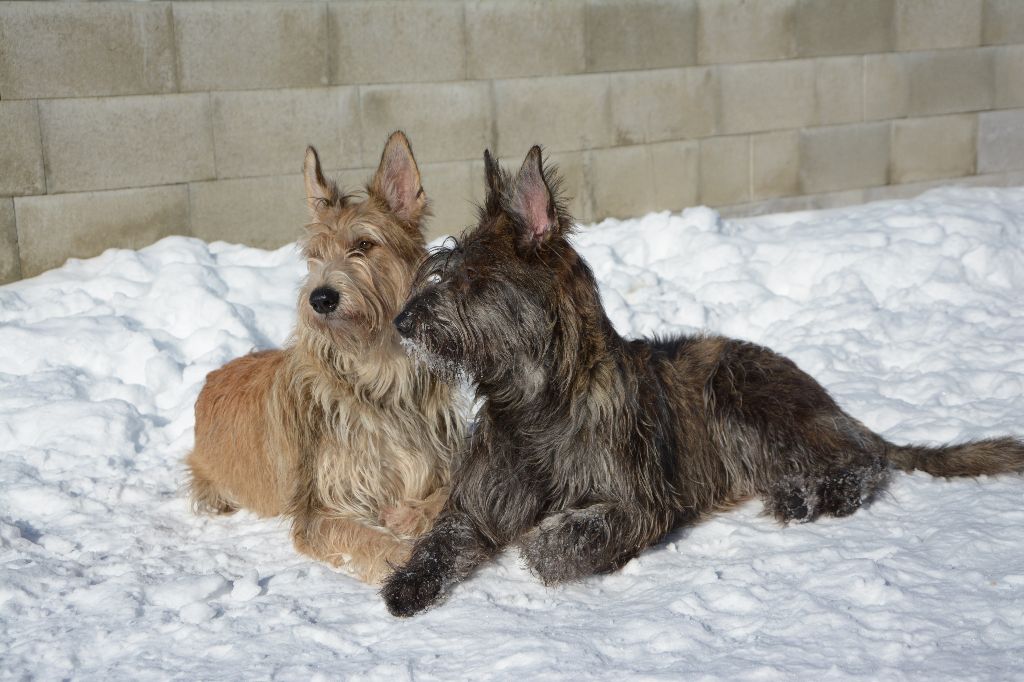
column 913, row 189
column 1007, row 179
column 526, row 38
column 1009, row 76
column 21, row 152
column 839, row 90
column 950, row 81
column 265, row 212
column 766, row 207
column 935, row 24
column 901, row 192
column 810, row 202
column 55, row 49
column 445, row 121
column 265, row 132
column 927, row 83
column 745, row 30
column 10, row 261
column 775, row 164
column 1003, row 22
column 725, row 170
column 351, row 180
column 766, row 96
column 835, row 27
column 622, row 182
column 1001, row 141
column 454, row 190
column 56, row 227
column 830, row 200
column 844, row 157
column 934, row 147
column 250, row 45
column 562, row 113
column 117, row 142
column 663, row 104
column 642, row 34
column 676, row 174
column 384, row 42
column 886, row 86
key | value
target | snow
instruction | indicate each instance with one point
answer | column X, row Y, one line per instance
column 909, row 312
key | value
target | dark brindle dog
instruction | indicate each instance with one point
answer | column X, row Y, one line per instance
column 590, row 447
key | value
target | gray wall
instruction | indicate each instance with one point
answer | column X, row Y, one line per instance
column 124, row 122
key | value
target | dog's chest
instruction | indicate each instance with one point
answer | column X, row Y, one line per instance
column 372, row 459
column 575, row 469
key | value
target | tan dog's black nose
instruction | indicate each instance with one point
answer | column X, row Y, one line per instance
column 324, row 300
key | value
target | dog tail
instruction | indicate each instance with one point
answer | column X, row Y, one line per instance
column 976, row 458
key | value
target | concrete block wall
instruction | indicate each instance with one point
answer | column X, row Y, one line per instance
column 121, row 123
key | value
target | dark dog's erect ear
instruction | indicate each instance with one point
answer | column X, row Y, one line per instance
column 320, row 192
column 532, row 200
column 496, row 180
column 397, row 180
column 492, row 173
column 493, row 179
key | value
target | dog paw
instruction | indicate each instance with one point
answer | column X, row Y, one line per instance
column 407, row 519
column 546, row 564
column 562, row 548
column 408, row 592
column 376, row 570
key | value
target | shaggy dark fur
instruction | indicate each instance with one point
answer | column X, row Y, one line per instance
column 590, row 447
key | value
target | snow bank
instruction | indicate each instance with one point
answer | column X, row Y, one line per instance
column 909, row 312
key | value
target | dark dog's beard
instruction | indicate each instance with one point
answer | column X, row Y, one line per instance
column 446, row 369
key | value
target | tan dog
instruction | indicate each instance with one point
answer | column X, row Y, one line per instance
column 340, row 430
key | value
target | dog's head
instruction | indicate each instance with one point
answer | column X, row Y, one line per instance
column 498, row 302
column 362, row 252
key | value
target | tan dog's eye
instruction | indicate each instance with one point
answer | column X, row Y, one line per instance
column 363, row 246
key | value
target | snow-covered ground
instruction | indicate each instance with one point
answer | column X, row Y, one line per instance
column 911, row 313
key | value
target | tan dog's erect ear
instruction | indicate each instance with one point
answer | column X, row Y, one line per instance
column 320, row 192
column 397, row 180
column 532, row 201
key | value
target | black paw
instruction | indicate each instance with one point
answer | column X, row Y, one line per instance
column 535, row 550
column 408, row 592
column 794, row 499
column 793, row 507
column 841, row 493
column 563, row 548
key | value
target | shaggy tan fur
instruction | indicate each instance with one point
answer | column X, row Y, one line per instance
column 340, row 430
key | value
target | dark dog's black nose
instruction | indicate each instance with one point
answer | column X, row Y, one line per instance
column 324, row 300
column 404, row 323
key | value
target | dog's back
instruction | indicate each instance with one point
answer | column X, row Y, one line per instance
column 232, row 438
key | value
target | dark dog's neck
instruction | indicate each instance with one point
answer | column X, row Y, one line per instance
column 583, row 358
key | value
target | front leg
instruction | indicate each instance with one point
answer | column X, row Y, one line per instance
column 494, row 498
column 440, row 559
column 412, row 518
column 576, row 543
column 371, row 553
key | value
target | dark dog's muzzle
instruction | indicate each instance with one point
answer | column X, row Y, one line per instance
column 405, row 324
